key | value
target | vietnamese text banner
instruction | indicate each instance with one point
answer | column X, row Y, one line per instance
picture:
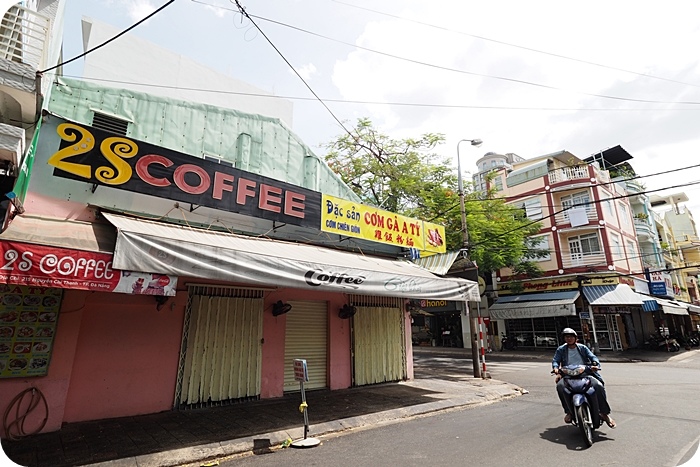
column 357, row 220
column 45, row 266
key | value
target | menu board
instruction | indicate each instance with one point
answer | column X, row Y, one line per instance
column 28, row 317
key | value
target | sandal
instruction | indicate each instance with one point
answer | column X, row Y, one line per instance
column 608, row 419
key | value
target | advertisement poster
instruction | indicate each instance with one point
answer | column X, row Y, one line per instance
column 28, row 317
column 45, row 266
column 357, row 220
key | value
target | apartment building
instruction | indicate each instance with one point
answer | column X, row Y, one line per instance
column 594, row 259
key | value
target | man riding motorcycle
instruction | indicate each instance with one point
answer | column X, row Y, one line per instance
column 573, row 353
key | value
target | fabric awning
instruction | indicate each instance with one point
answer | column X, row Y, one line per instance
column 650, row 305
column 605, row 295
column 694, row 309
column 671, row 307
column 144, row 245
column 61, row 233
column 535, row 305
column 439, row 263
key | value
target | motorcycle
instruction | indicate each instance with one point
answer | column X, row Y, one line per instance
column 508, row 342
column 581, row 400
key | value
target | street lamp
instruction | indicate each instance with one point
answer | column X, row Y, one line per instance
column 465, row 247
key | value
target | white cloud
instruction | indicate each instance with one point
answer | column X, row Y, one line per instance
column 138, row 9
column 306, row 71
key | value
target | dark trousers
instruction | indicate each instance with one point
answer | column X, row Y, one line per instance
column 599, row 390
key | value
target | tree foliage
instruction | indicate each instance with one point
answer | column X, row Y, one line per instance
column 406, row 177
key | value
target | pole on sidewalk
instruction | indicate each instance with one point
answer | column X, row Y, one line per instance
column 482, row 339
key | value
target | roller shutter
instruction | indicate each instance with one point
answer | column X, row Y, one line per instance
column 306, row 337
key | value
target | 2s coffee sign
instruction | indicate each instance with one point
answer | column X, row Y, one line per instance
column 95, row 156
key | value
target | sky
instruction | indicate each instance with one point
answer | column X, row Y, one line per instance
column 529, row 78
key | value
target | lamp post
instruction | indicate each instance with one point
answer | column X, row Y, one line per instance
column 465, row 246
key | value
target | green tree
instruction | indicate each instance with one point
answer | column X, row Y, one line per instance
column 405, row 176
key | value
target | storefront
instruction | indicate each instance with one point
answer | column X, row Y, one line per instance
column 611, row 316
column 536, row 319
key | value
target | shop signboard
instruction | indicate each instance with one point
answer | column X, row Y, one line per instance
column 660, row 283
column 343, row 217
column 537, row 286
column 28, row 317
column 88, row 154
column 46, row 266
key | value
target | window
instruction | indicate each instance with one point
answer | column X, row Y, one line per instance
column 582, row 246
column 498, row 182
column 624, row 217
column 631, row 250
column 532, row 208
column 609, row 207
column 541, row 242
column 576, row 200
column 616, row 246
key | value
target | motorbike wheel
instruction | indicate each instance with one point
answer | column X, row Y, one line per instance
column 585, row 423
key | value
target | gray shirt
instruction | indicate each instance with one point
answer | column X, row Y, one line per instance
column 574, row 357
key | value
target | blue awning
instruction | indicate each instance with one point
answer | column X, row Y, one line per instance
column 650, row 305
column 619, row 294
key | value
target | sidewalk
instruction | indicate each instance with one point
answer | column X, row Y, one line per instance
column 180, row 437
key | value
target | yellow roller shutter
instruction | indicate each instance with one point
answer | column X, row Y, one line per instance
column 306, row 337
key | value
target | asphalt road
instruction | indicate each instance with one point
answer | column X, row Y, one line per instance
column 656, row 406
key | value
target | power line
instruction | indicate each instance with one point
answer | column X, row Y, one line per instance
column 242, row 11
column 509, row 44
column 581, row 205
column 109, row 40
column 455, row 70
column 400, row 104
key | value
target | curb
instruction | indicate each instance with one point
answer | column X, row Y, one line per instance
column 200, row 453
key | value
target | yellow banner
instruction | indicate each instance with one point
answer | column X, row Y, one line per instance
column 343, row 217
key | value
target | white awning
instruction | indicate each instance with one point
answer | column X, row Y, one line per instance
column 607, row 295
column 535, row 305
column 144, row 245
column 671, row 307
column 61, row 233
column 440, row 263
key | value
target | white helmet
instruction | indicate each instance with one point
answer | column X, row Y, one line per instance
column 569, row 331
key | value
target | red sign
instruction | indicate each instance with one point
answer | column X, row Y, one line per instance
column 46, row 266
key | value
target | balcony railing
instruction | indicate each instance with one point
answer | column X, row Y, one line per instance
column 574, row 260
column 566, row 174
column 591, row 215
column 24, row 35
column 643, row 229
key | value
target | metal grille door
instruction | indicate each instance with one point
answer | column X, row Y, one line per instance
column 306, row 337
column 223, row 354
column 379, row 345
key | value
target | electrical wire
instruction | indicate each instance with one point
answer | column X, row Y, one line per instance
column 509, row 44
column 455, row 70
column 364, row 102
column 15, row 429
column 242, row 10
column 107, row 41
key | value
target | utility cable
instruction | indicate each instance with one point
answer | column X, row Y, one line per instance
column 364, row 102
column 529, row 49
column 582, row 205
column 243, row 12
column 455, row 70
column 109, row 40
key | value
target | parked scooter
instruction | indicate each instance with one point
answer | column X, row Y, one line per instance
column 508, row 342
column 662, row 343
column 581, row 399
